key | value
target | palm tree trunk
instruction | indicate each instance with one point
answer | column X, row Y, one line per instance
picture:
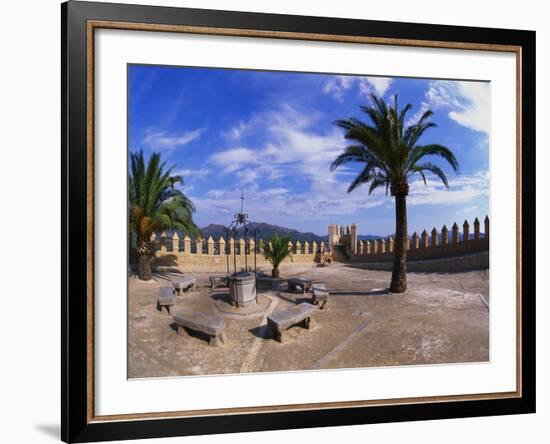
column 144, row 261
column 275, row 272
column 144, row 267
column 399, row 272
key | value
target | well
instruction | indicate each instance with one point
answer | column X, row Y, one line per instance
column 242, row 285
column 242, row 288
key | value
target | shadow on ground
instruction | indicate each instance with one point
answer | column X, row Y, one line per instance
column 262, row 332
column 193, row 333
column 446, row 266
column 380, row 292
column 163, row 269
column 51, row 430
column 222, row 296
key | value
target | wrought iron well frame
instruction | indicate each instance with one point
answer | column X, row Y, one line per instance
column 240, row 220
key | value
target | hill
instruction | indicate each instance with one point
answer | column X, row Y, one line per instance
column 265, row 231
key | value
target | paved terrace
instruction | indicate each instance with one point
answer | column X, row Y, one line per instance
column 444, row 318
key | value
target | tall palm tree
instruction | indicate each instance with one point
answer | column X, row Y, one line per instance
column 389, row 150
column 155, row 205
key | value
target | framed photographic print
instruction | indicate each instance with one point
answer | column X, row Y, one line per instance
column 276, row 221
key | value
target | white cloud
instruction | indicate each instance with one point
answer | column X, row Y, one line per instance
column 476, row 112
column 275, row 191
column 329, row 198
column 247, row 177
column 186, row 189
column 467, row 103
column 471, row 209
column 192, row 173
column 281, row 207
column 238, row 131
column 462, row 189
column 217, row 193
column 295, row 147
column 292, row 147
column 234, row 158
column 337, row 86
column 161, row 140
column 380, row 85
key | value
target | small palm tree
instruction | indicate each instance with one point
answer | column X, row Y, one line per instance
column 276, row 250
column 389, row 150
column 155, row 205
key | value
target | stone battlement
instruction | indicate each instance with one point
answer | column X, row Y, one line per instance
column 210, row 254
column 428, row 245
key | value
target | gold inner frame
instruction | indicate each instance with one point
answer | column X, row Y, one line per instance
column 97, row 24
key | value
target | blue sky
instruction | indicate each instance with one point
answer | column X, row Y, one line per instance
column 271, row 136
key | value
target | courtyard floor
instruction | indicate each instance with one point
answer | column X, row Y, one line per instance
column 444, row 318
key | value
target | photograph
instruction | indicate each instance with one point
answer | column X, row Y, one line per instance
column 284, row 221
column 280, row 221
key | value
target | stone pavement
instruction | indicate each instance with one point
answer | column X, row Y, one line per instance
column 444, row 318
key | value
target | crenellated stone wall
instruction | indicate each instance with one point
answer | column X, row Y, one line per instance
column 214, row 255
column 428, row 245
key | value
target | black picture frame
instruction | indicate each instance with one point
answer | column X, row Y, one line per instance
column 76, row 423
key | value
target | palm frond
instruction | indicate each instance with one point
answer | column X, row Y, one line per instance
column 414, row 132
column 154, row 203
column 419, row 152
column 378, row 182
column 369, row 173
column 353, row 153
column 388, row 148
column 432, row 168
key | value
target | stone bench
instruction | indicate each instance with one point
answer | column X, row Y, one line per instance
column 320, row 295
column 218, row 281
column 184, row 284
column 282, row 320
column 165, row 299
column 294, row 283
column 209, row 324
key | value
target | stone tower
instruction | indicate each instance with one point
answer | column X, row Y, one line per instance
column 353, row 238
column 343, row 235
column 333, row 236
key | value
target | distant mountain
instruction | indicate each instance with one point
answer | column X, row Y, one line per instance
column 265, row 231
column 214, row 230
column 368, row 237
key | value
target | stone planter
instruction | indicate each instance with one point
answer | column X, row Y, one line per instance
column 242, row 288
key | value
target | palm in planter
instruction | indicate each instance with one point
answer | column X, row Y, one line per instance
column 155, row 205
column 391, row 154
column 276, row 250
